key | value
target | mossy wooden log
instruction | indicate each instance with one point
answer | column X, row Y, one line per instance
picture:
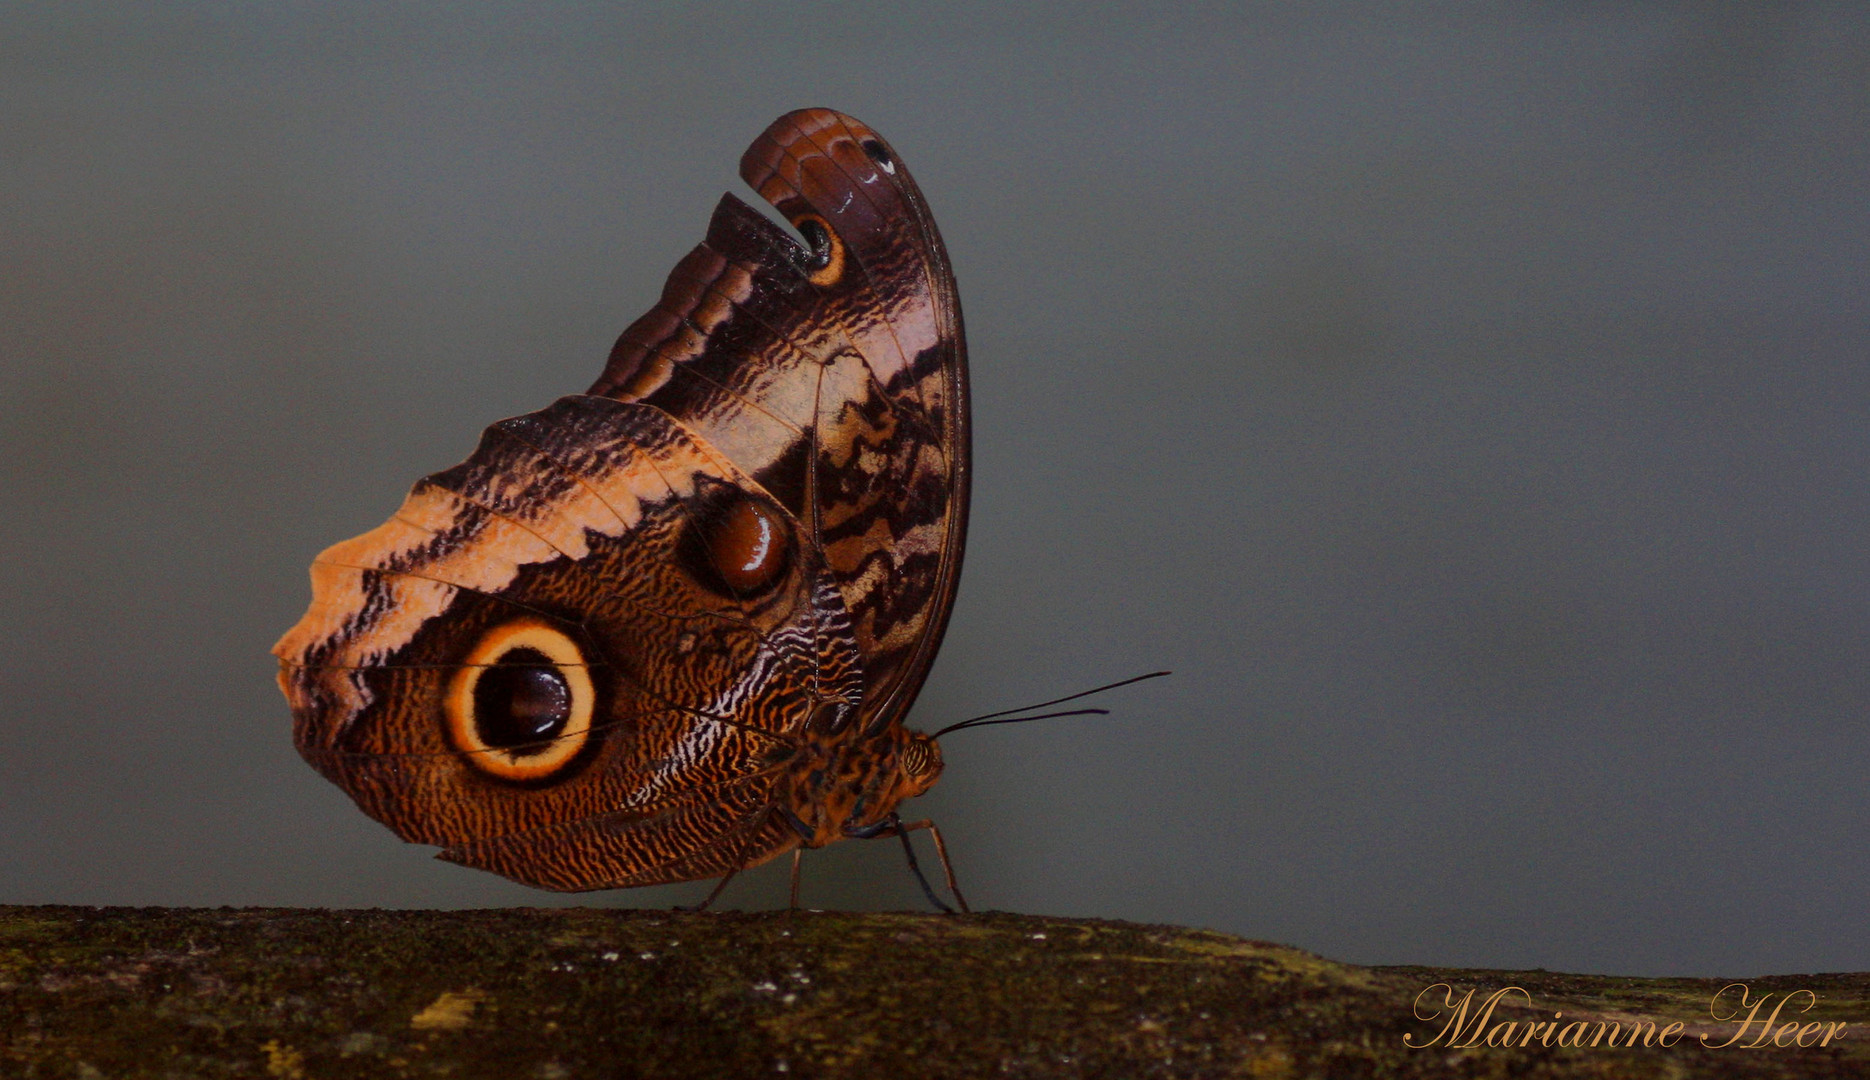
column 542, row 993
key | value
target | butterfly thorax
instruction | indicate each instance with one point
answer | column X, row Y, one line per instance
column 843, row 784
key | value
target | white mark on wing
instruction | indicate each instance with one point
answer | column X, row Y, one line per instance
column 706, row 733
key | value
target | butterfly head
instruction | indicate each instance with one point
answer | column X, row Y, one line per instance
column 910, row 770
column 918, row 765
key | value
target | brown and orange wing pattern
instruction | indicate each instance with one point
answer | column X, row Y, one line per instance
column 856, row 418
column 584, row 657
column 566, row 535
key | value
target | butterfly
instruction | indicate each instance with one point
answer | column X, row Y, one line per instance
column 669, row 628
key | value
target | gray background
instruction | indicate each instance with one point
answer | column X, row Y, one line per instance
column 1470, row 406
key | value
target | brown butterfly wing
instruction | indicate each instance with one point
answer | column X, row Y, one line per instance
column 857, row 415
column 572, row 522
column 827, row 386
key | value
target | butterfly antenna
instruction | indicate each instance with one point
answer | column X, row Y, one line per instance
column 992, row 718
column 965, row 724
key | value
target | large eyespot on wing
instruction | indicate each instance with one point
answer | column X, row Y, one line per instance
column 835, row 375
column 519, row 706
column 521, row 648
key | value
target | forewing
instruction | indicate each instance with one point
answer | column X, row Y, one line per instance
column 835, row 374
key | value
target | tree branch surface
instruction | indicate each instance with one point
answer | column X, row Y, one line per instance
column 91, row 993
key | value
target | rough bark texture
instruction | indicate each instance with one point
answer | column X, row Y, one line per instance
column 117, row 992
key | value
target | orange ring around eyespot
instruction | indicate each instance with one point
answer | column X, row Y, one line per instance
column 833, row 269
column 565, row 656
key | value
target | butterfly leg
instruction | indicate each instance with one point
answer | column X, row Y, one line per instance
column 792, row 905
column 910, row 852
column 694, row 909
column 893, row 826
column 941, row 851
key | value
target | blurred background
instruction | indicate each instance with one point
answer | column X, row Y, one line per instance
column 1470, row 406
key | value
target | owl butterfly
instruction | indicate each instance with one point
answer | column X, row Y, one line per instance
column 668, row 629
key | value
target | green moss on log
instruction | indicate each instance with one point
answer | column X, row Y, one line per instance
column 546, row 993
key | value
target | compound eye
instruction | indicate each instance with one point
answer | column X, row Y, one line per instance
column 921, row 758
column 520, row 705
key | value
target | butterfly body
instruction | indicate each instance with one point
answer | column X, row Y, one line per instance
column 841, row 787
column 669, row 628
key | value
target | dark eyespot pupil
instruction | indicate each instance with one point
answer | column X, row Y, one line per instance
column 520, row 701
column 819, row 238
column 747, row 545
column 876, row 151
column 736, row 545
